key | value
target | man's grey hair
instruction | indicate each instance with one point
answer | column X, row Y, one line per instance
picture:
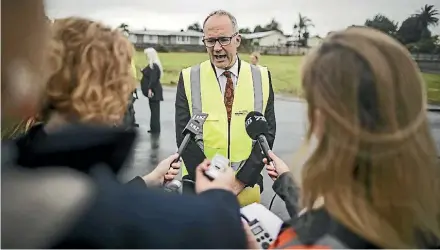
column 223, row 13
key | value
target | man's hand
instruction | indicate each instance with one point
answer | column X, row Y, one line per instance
column 150, row 93
column 237, row 186
column 166, row 170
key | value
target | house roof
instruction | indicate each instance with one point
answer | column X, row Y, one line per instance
column 167, row 33
column 257, row 35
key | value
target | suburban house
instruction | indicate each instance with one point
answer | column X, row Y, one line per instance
column 312, row 42
column 272, row 38
column 163, row 37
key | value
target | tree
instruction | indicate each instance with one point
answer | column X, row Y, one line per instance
column 245, row 31
column 124, row 27
column 427, row 16
column 427, row 45
column 410, row 31
column 258, row 28
column 273, row 25
column 195, row 27
column 302, row 28
column 383, row 23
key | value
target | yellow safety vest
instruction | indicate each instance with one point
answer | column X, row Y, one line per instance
column 204, row 96
column 133, row 68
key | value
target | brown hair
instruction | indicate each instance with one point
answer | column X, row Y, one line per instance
column 91, row 78
column 376, row 163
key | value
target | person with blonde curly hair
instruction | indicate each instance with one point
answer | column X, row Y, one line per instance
column 90, row 80
column 59, row 181
column 91, row 75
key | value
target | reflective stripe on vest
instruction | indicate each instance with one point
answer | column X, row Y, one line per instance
column 204, row 96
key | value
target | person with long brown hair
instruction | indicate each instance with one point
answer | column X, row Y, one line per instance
column 375, row 170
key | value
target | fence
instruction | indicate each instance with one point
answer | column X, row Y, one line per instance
column 281, row 50
column 429, row 63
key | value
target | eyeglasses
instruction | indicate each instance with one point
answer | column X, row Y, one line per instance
column 223, row 40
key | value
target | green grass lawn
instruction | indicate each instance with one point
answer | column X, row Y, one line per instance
column 433, row 86
column 284, row 71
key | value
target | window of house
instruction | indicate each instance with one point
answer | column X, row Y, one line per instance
column 183, row 39
column 139, row 38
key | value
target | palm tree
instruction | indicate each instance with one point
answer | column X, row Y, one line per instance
column 427, row 16
column 302, row 27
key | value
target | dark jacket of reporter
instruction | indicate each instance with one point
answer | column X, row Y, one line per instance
column 61, row 191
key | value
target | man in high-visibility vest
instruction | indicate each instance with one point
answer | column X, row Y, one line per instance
column 227, row 89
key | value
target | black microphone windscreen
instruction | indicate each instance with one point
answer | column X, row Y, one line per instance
column 256, row 124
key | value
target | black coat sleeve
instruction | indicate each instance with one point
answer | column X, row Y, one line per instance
column 286, row 188
column 131, row 217
column 137, row 181
column 250, row 172
column 193, row 155
column 145, row 81
column 154, row 78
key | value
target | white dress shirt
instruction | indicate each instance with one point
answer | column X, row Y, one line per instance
column 222, row 78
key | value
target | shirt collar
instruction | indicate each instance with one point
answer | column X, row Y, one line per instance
column 233, row 70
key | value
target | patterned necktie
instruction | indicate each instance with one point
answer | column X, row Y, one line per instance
column 229, row 94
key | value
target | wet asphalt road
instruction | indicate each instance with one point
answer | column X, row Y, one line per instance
column 291, row 124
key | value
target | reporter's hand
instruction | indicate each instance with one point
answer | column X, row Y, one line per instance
column 225, row 179
column 277, row 168
column 165, row 170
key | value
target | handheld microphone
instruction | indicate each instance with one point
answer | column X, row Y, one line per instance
column 193, row 128
column 257, row 129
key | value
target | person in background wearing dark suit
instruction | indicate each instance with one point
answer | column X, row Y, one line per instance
column 152, row 88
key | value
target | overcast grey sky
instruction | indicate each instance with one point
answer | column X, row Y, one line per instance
column 178, row 14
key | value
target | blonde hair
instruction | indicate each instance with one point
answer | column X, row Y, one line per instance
column 153, row 58
column 91, row 78
column 376, row 163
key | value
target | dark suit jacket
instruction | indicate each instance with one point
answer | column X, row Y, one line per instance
column 151, row 80
column 249, row 174
column 123, row 216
